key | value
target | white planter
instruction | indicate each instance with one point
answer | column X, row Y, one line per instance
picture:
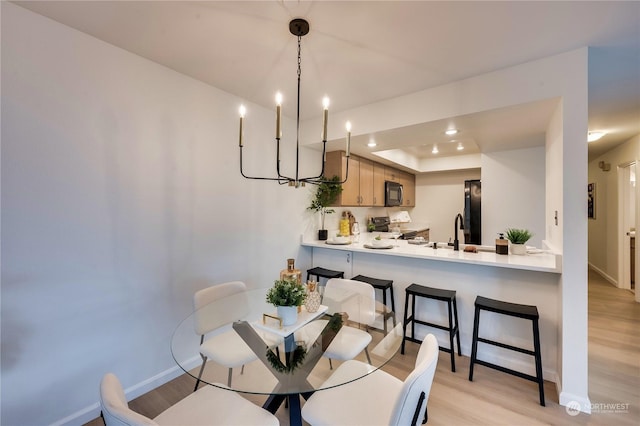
column 519, row 249
column 288, row 314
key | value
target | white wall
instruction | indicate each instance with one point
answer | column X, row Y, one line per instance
column 603, row 230
column 439, row 198
column 521, row 202
column 121, row 196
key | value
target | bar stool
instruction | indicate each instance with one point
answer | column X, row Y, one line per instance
column 527, row 312
column 383, row 285
column 324, row 273
column 449, row 296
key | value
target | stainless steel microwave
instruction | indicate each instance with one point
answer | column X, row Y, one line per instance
column 392, row 194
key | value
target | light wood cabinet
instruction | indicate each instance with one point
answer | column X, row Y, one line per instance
column 365, row 184
column 358, row 189
column 378, row 185
column 408, row 182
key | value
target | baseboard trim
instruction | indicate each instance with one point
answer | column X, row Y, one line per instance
column 93, row 411
column 604, row 274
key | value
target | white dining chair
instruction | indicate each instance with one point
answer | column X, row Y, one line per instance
column 227, row 348
column 376, row 399
column 208, row 406
column 357, row 300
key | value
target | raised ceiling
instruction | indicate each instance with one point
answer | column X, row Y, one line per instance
column 363, row 52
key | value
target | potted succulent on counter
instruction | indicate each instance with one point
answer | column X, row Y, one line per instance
column 326, row 195
column 518, row 238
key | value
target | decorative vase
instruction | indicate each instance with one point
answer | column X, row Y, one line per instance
column 288, row 314
column 323, row 234
column 313, row 297
column 291, row 273
column 519, row 249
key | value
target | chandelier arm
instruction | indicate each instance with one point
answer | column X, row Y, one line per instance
column 280, row 180
column 280, row 176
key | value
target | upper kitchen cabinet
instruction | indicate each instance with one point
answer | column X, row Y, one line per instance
column 408, row 182
column 378, row 185
column 336, row 165
column 365, row 184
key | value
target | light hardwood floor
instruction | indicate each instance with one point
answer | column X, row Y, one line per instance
column 495, row 398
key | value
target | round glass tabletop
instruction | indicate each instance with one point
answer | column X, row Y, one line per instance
column 248, row 350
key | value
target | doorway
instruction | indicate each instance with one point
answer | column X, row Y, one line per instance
column 627, row 206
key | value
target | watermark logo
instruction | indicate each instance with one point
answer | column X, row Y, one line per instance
column 573, row 408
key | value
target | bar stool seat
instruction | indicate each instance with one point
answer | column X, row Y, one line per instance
column 449, row 296
column 528, row 312
column 324, row 273
column 384, row 285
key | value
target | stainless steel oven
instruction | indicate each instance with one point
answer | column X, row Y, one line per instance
column 392, row 194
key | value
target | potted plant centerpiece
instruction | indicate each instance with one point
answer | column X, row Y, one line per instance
column 326, row 195
column 518, row 238
column 286, row 296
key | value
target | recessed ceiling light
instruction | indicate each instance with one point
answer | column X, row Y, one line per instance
column 594, row 136
column 435, row 149
column 371, row 143
column 460, row 147
column 451, row 132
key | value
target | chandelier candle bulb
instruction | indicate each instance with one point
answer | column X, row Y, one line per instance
column 242, row 112
column 348, row 126
column 325, row 117
column 278, row 114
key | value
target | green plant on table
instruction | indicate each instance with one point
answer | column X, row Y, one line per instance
column 518, row 236
column 287, row 293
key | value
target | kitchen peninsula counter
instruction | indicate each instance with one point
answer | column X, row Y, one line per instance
column 541, row 261
column 532, row 279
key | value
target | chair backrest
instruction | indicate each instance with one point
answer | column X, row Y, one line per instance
column 115, row 410
column 361, row 308
column 207, row 320
column 420, row 380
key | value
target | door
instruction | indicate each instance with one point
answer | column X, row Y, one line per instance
column 626, row 225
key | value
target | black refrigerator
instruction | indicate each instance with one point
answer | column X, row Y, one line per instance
column 472, row 212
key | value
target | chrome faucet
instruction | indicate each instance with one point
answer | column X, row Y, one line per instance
column 456, row 243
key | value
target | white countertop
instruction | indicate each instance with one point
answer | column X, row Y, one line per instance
column 539, row 261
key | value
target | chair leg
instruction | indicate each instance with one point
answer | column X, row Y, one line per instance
column 451, row 332
column 229, row 378
column 204, row 361
column 366, row 352
column 330, row 364
column 242, row 369
column 536, row 349
column 404, row 323
column 474, row 343
column 426, row 415
column 455, row 316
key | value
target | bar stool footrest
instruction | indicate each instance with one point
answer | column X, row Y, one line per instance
column 505, row 346
column 507, row 370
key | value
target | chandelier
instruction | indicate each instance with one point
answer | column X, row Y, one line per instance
column 298, row 27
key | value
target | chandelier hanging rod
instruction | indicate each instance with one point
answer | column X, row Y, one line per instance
column 298, row 27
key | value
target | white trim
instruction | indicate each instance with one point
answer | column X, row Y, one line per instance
column 91, row 412
column 603, row 274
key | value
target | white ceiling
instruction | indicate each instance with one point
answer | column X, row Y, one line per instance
column 366, row 51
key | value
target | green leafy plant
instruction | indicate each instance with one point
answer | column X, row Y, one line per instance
column 518, row 236
column 286, row 293
column 326, row 195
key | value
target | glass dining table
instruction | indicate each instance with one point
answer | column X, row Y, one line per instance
column 288, row 360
